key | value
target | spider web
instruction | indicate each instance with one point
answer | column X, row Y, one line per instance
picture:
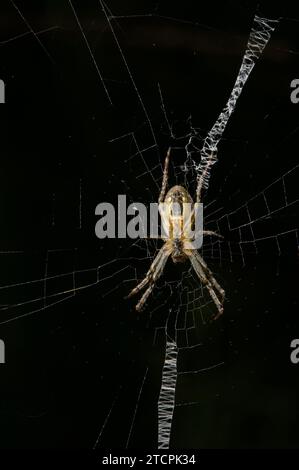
column 255, row 220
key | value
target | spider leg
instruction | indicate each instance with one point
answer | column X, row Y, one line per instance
column 208, row 280
column 215, row 300
column 217, row 286
column 152, row 276
column 211, row 233
column 142, row 301
column 207, row 232
column 165, row 177
column 209, row 275
column 140, row 286
column 149, row 275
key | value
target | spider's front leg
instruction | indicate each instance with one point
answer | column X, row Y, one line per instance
column 210, row 276
column 153, row 274
column 208, row 280
column 217, row 302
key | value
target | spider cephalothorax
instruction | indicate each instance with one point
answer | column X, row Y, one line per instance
column 178, row 255
column 178, row 242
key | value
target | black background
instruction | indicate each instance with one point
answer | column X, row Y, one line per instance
column 67, row 364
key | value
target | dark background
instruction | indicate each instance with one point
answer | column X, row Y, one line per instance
column 79, row 364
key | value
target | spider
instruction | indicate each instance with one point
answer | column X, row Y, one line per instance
column 179, row 247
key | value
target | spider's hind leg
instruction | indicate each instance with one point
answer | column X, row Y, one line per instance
column 165, row 177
